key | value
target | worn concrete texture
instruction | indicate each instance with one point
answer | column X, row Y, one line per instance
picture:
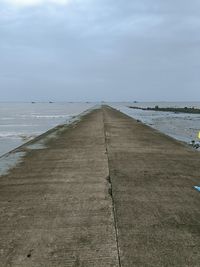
column 157, row 209
column 55, row 207
column 106, row 191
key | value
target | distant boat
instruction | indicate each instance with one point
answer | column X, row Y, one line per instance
column 50, row 102
column 32, row 102
column 135, row 101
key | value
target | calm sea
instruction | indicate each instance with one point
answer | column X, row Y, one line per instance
column 20, row 122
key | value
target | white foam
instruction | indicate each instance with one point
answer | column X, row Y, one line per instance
column 10, row 135
column 31, row 120
column 50, row 116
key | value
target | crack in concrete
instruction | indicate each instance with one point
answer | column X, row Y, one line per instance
column 110, row 191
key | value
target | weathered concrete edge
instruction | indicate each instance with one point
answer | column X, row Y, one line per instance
column 11, row 159
column 120, row 155
column 186, row 145
column 69, row 123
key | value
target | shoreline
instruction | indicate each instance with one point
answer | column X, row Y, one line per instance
column 170, row 109
column 180, row 126
column 12, row 158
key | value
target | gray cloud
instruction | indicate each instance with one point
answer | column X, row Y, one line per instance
column 101, row 49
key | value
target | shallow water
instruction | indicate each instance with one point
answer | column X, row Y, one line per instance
column 21, row 122
column 181, row 126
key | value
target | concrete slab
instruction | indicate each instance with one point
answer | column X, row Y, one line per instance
column 55, row 207
column 104, row 191
column 156, row 207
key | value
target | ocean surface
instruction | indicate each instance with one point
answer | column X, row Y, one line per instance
column 21, row 122
column 181, row 126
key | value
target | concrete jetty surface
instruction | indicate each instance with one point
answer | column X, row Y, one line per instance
column 106, row 191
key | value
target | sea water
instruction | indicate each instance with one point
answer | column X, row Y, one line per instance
column 21, row 122
column 181, row 126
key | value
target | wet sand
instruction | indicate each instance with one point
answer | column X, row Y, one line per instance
column 104, row 191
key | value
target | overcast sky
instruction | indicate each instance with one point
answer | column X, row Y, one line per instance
column 79, row 50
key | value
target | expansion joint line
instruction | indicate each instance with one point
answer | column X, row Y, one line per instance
column 111, row 189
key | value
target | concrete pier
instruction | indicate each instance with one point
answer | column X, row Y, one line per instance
column 106, row 191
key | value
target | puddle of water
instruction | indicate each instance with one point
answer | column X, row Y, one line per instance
column 10, row 161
